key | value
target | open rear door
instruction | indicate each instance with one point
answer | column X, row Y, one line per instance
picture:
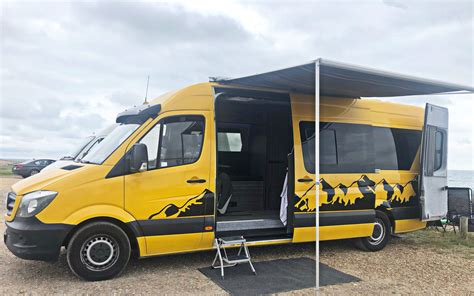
column 434, row 159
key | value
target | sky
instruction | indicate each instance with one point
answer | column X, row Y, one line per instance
column 68, row 68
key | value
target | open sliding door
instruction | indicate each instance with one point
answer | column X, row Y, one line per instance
column 434, row 172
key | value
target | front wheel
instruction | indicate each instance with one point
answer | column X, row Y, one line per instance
column 98, row 251
column 380, row 235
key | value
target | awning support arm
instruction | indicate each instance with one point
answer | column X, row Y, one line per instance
column 316, row 159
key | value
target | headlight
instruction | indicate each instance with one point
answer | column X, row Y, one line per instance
column 34, row 202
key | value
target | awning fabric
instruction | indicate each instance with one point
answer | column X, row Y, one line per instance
column 344, row 80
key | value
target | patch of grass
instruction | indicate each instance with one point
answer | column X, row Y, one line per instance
column 6, row 170
column 442, row 242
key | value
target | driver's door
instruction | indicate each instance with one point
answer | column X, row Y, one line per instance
column 434, row 160
column 169, row 199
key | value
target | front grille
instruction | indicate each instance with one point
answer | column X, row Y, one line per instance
column 10, row 202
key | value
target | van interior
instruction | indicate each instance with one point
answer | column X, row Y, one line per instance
column 254, row 138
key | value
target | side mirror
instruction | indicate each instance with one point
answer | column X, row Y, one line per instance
column 138, row 158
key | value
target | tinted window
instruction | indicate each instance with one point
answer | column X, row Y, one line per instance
column 357, row 148
column 151, row 142
column 407, row 143
column 327, row 148
column 355, row 153
column 344, row 148
column 385, row 149
column 307, row 144
column 181, row 140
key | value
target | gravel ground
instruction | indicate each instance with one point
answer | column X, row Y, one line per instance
column 401, row 268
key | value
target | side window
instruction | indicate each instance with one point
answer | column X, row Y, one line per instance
column 344, row 148
column 434, row 150
column 181, row 140
column 355, row 148
column 307, row 144
column 151, row 140
column 385, row 149
column 407, row 144
column 229, row 141
column 38, row 162
column 327, row 148
column 438, row 159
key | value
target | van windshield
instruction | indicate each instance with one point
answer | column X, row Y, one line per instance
column 112, row 141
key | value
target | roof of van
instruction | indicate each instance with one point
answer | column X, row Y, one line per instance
column 201, row 97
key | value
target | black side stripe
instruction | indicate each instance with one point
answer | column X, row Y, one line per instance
column 404, row 213
column 171, row 226
column 336, row 218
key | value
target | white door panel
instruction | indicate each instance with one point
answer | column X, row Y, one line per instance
column 434, row 160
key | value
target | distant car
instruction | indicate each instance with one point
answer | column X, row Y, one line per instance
column 31, row 167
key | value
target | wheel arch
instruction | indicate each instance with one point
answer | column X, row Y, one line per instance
column 131, row 232
column 385, row 208
column 108, row 213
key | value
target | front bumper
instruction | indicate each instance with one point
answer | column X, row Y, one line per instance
column 29, row 238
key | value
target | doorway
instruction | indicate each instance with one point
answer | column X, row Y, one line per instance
column 254, row 138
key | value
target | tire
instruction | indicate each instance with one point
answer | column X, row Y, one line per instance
column 98, row 251
column 380, row 236
column 33, row 172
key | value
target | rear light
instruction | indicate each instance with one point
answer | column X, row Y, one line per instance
column 18, row 166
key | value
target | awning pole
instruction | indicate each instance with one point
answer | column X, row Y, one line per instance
column 316, row 160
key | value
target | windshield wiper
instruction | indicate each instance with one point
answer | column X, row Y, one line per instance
column 86, row 161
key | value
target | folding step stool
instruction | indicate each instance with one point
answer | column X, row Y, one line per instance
column 229, row 261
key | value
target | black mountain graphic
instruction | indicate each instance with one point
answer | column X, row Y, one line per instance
column 202, row 204
column 363, row 198
column 302, row 203
column 387, row 188
column 338, row 198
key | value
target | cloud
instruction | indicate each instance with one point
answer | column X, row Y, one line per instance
column 67, row 68
column 396, row 4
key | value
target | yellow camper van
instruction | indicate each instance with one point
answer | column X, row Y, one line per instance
column 211, row 160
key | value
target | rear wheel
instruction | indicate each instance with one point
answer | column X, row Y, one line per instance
column 33, row 172
column 380, row 235
column 98, row 251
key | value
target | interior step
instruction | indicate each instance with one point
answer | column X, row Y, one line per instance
column 256, row 234
column 248, row 224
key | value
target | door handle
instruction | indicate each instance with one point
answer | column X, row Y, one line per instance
column 305, row 180
column 191, row 181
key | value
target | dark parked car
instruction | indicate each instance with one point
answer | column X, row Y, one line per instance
column 31, row 167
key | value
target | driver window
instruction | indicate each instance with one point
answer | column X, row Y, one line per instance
column 181, row 140
column 151, row 140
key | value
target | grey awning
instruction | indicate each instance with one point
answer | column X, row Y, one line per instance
column 343, row 80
